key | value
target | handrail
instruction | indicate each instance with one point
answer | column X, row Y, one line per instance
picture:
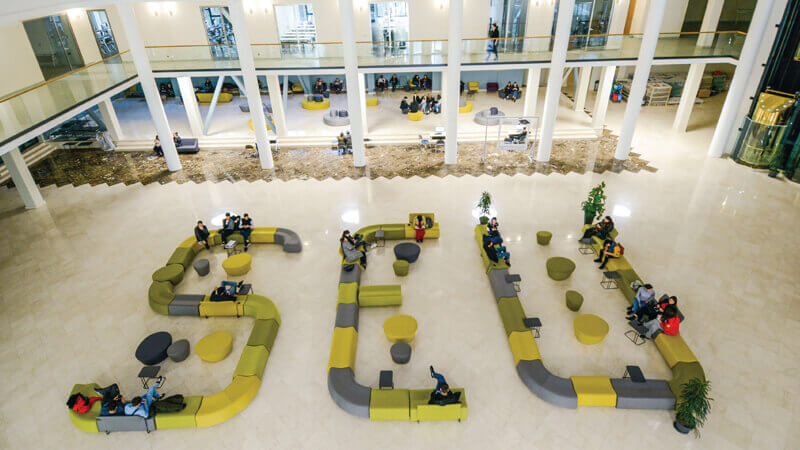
column 43, row 83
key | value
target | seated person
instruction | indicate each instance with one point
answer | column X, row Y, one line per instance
column 80, row 404
column 201, row 234
column 414, row 82
column 177, row 139
column 404, row 106
column 112, row 402
column 668, row 322
column 139, row 406
column 515, row 91
column 419, row 228
column 223, row 292
column 506, row 92
column 157, row 147
column 336, row 86
column 246, row 227
column 353, row 249
column 425, row 82
column 495, row 251
column 207, row 86
column 381, row 84
column 518, row 137
column 611, row 249
column 437, row 106
column 644, row 295
column 394, row 81
column 601, row 229
column 441, row 395
column 319, row 86
column 229, row 225
column 492, row 227
column 414, row 107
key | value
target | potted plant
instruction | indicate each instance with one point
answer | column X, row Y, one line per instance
column 483, row 205
column 595, row 204
column 694, row 406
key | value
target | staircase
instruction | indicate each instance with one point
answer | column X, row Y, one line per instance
column 31, row 156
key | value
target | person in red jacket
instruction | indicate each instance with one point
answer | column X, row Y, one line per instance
column 419, row 228
column 668, row 323
column 81, row 404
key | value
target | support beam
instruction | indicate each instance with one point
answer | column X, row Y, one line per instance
column 148, row 82
column 453, row 82
column 245, row 50
column 582, row 88
column 352, row 80
column 726, row 125
column 603, row 97
column 554, row 78
column 531, row 91
column 190, row 105
column 240, row 85
column 23, row 179
column 285, row 92
column 278, row 111
column 647, row 50
column 362, row 95
column 213, row 105
column 110, row 118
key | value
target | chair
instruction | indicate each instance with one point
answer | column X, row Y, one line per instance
column 424, row 142
column 491, row 87
column 534, row 324
column 472, row 87
column 634, row 373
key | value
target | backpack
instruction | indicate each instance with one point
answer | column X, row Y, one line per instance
column 173, row 403
column 621, row 249
column 428, row 222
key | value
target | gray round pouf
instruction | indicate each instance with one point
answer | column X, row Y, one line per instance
column 202, row 267
column 179, row 350
column 407, row 251
column 401, row 352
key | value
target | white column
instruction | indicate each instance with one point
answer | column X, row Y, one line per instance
column 726, row 125
column 245, row 51
column 655, row 14
column 531, row 91
column 551, row 98
column 148, row 82
column 110, row 118
column 354, row 105
column 583, row 88
column 453, row 82
column 276, row 102
column 603, row 97
column 362, row 99
column 22, row 178
column 190, row 105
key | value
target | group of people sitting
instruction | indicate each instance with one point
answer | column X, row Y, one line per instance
column 493, row 243
column 112, row 403
column 426, row 104
column 157, row 143
column 228, row 290
column 354, row 248
column 320, row 87
column 650, row 315
column 344, row 143
column 510, row 92
column 230, row 225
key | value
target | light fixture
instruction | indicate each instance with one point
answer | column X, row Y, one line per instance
column 154, row 8
column 74, row 13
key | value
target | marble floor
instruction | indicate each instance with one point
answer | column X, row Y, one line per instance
column 74, row 276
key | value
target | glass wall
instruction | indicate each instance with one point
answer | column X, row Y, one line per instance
column 510, row 17
column 54, row 45
column 590, row 22
column 389, row 25
column 102, row 33
column 220, row 33
column 297, row 29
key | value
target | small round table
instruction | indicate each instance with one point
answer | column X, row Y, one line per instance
column 407, row 251
column 589, row 329
column 400, row 328
column 153, row 348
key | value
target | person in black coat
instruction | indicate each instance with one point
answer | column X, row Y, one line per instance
column 201, row 233
column 246, row 229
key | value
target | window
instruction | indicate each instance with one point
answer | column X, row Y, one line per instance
column 296, row 27
column 510, row 17
column 102, row 33
column 54, row 45
column 220, row 33
column 389, row 25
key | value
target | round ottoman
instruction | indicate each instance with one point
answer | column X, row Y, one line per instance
column 313, row 105
column 574, row 300
column 401, row 267
column 407, row 251
column 589, row 329
column 559, row 268
column 400, row 328
column 465, row 108
column 238, row 264
column 401, row 352
column 171, row 272
column 202, row 267
column 179, row 350
column 214, row 347
column 543, row 237
column 372, row 101
column 415, row 116
column 153, row 348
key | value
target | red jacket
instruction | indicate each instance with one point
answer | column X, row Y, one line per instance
column 671, row 326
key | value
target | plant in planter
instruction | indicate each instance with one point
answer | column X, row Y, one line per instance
column 694, row 406
column 595, row 204
column 483, row 205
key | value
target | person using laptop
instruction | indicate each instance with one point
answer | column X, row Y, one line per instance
column 442, row 395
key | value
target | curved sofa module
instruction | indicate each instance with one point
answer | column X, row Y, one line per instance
column 208, row 410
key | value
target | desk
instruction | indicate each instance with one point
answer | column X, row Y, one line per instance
column 148, row 373
column 231, row 247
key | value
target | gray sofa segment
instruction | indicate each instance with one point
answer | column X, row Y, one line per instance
column 188, row 145
column 354, row 276
column 347, row 315
column 652, row 394
column 185, row 305
column 347, row 393
column 108, row 424
column 289, row 239
column 548, row 387
column 500, row 286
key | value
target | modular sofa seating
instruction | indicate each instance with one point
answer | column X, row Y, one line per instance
column 489, row 117
column 206, row 97
column 336, row 118
column 188, row 146
column 347, row 393
column 314, row 104
column 208, row 410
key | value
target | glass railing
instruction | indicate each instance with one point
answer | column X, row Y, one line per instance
column 24, row 109
column 225, row 57
column 402, row 53
column 298, row 55
column 165, row 58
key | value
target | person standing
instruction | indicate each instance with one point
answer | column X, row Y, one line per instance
column 494, row 35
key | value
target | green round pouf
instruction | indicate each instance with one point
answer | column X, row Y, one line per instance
column 574, row 300
column 543, row 237
column 401, row 267
column 171, row 272
column 559, row 268
column 589, row 329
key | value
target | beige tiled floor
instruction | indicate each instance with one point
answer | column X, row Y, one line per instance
column 74, row 277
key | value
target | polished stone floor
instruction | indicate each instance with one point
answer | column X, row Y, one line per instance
column 722, row 237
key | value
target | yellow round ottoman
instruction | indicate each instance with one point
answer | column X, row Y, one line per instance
column 372, row 101
column 214, row 347
column 324, row 104
column 238, row 264
column 466, row 108
column 589, row 329
column 415, row 115
column 400, row 328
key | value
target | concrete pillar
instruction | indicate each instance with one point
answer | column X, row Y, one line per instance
column 453, row 82
column 110, row 118
column 275, row 99
column 655, row 14
column 582, row 88
column 353, row 81
column 362, row 99
column 554, row 78
column 531, row 91
column 190, row 105
column 616, row 24
column 23, row 179
column 236, row 10
column 726, row 125
column 148, row 82
column 603, row 97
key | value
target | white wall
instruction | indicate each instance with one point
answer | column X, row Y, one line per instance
column 84, row 36
column 18, row 66
column 673, row 16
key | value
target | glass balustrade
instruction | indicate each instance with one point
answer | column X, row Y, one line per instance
column 29, row 107
column 298, row 55
column 266, row 56
column 402, row 53
column 193, row 57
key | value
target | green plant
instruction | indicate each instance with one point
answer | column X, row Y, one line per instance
column 695, row 404
column 484, row 203
column 595, row 204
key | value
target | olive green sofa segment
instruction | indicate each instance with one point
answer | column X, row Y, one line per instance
column 86, row 421
column 182, row 256
column 171, row 272
column 682, row 372
column 160, row 295
column 421, row 411
column 252, row 362
column 389, row 404
column 488, row 264
column 180, row 419
column 264, row 333
column 348, row 292
column 512, row 315
column 380, row 295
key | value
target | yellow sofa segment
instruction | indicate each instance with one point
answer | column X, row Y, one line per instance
column 389, row 404
column 674, row 349
column 594, row 391
column 312, row 105
column 348, row 292
column 86, row 421
column 223, row 405
column 415, row 116
column 265, row 235
column 206, row 97
column 343, row 348
column 421, row 411
column 523, row 346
